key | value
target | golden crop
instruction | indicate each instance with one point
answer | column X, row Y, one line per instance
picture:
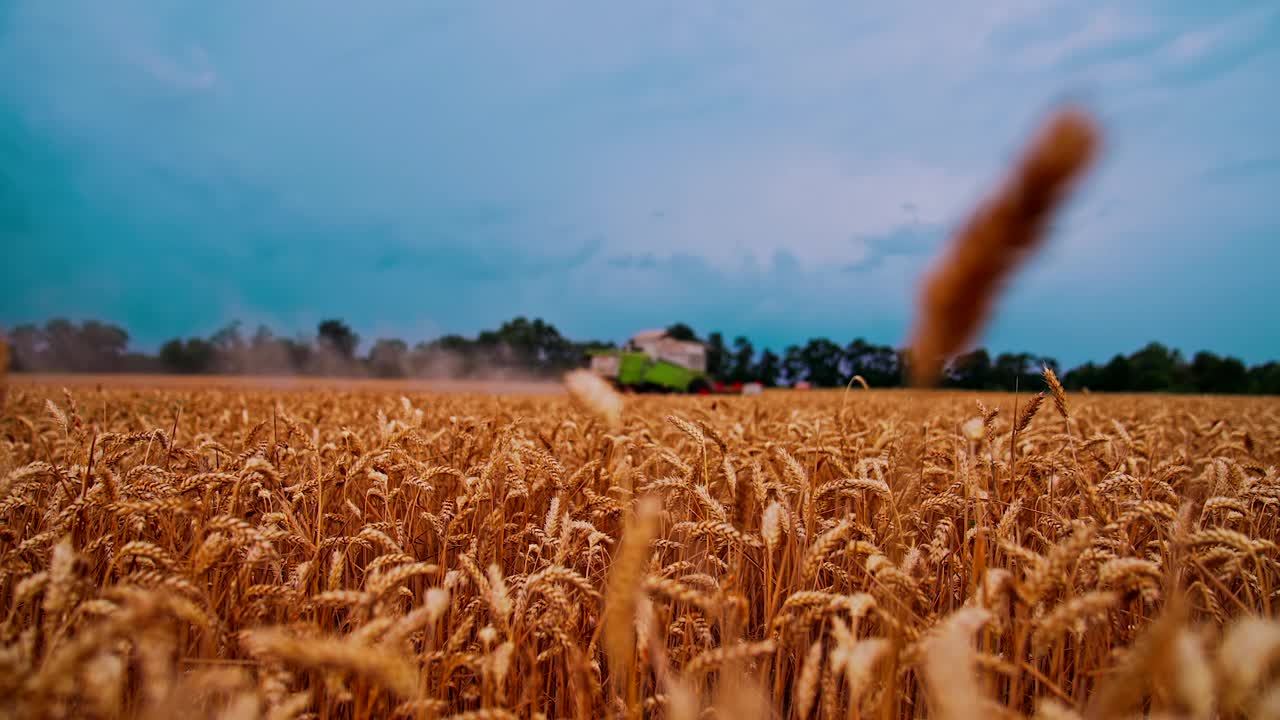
column 238, row 553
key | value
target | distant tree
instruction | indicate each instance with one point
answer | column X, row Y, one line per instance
column 62, row 342
column 491, row 347
column 1265, row 379
column 740, row 370
column 228, row 339
column 716, row 355
column 793, row 366
column 1116, row 375
column 1156, row 367
column 858, row 358
column 822, row 360
column 338, row 337
column 139, row 362
column 537, row 346
column 265, row 354
column 63, row 346
column 1088, row 376
column 453, row 342
column 298, row 353
column 877, row 364
column 545, row 349
column 446, row 356
column 582, row 351
column 27, row 348
column 767, row 369
column 193, row 356
column 971, row 371
column 1212, row 374
column 388, row 358
column 262, row 337
column 1011, row 371
column 590, row 345
column 1079, row 377
column 230, row 348
column 1232, row 376
column 103, row 342
column 681, row 331
column 173, row 356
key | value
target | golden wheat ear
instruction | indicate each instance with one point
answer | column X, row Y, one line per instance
column 958, row 294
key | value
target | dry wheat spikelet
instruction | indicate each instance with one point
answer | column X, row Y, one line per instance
column 949, row 666
column 594, row 393
column 958, row 294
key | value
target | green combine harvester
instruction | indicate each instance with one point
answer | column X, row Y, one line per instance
column 655, row 362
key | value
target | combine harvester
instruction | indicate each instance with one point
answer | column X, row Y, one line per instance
column 653, row 361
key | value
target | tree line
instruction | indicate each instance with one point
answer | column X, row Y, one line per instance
column 533, row 348
column 519, row 347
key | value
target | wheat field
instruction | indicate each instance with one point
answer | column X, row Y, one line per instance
column 242, row 553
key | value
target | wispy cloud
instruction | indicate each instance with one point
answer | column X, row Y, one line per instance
column 1092, row 33
column 193, row 72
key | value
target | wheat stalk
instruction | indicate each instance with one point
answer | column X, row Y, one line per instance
column 959, row 292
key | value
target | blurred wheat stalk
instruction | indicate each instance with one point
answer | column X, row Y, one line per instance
column 957, row 296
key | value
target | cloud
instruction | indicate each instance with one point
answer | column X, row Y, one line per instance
column 911, row 241
column 733, row 206
column 1094, row 32
column 1245, row 28
column 191, row 73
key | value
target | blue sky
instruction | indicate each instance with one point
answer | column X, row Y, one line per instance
column 780, row 170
